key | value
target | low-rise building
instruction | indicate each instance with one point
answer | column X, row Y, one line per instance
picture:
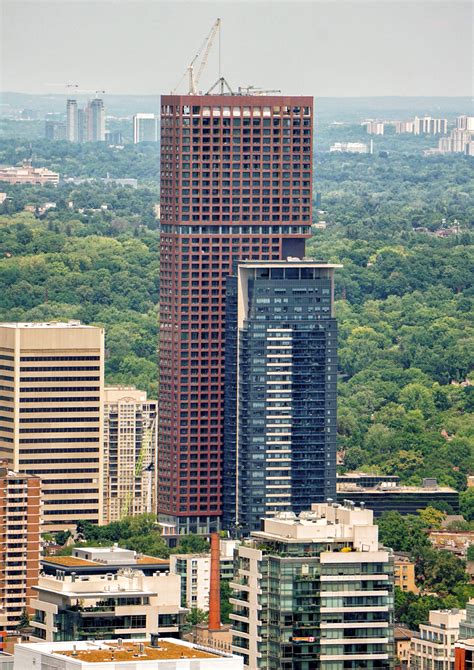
column 402, row 637
column 392, row 497
column 404, row 573
column 433, row 647
column 455, row 541
column 349, row 148
column 27, row 174
column 124, row 605
column 157, row 654
column 314, row 591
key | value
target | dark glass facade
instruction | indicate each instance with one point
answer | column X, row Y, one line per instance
column 281, row 373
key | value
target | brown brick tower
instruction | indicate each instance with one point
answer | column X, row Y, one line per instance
column 236, row 176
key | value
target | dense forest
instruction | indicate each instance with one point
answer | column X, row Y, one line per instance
column 404, row 296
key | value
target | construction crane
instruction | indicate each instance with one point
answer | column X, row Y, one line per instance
column 206, row 48
column 255, row 90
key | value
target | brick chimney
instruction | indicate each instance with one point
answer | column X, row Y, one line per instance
column 215, row 593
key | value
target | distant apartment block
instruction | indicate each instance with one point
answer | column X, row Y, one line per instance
column 130, row 444
column 465, row 123
column 460, row 142
column 350, row 148
column 430, row 126
column 54, row 130
column 72, row 122
column 20, row 540
column 27, row 174
column 52, row 425
column 124, row 605
column 434, row 646
column 86, row 124
column 314, row 591
column 402, row 127
column 374, row 127
column 145, row 128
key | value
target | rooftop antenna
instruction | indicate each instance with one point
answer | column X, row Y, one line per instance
column 206, row 48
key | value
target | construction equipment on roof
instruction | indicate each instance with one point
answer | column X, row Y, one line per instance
column 206, row 48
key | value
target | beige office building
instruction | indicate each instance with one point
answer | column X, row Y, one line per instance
column 433, row 647
column 130, row 444
column 51, row 417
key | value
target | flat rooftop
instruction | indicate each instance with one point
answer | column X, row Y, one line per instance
column 74, row 561
column 47, row 324
column 130, row 651
column 347, row 487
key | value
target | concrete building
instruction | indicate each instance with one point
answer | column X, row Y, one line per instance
column 72, row 121
column 134, row 654
column 280, row 404
column 391, row 496
column 236, row 180
column 195, row 572
column 27, row 174
column 20, row 543
column 94, row 561
column 350, row 148
column 145, row 128
column 130, row 444
column 429, row 126
column 125, row 605
column 52, row 417
column 433, row 647
column 314, row 591
column 404, row 573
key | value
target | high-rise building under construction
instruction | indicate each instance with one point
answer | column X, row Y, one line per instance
column 236, row 176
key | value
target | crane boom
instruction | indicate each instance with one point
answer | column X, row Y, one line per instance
column 206, row 47
column 214, row 30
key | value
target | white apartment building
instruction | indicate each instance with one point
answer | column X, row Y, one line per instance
column 130, row 452
column 315, row 587
column 157, row 654
column 126, row 604
column 195, row 572
column 430, row 126
column 433, row 648
column 465, row 123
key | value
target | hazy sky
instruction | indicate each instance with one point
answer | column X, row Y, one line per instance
column 324, row 48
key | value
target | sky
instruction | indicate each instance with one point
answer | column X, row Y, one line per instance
column 313, row 47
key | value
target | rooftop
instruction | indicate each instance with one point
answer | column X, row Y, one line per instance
column 133, row 651
column 46, row 324
column 124, row 654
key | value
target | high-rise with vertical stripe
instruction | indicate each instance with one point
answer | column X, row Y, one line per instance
column 236, row 175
